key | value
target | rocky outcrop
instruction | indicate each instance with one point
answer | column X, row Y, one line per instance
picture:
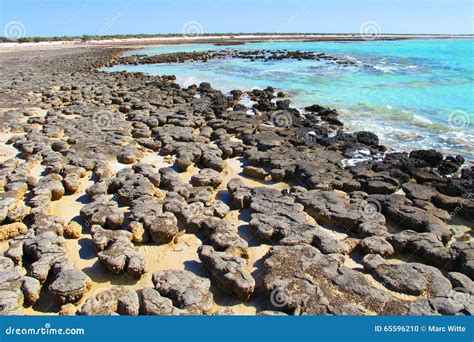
column 302, row 280
column 410, row 278
column 15, row 289
column 118, row 300
column 376, row 245
column 46, row 256
column 117, row 253
column 12, row 230
column 155, row 304
column 185, row 290
column 207, row 177
column 104, row 212
column 228, row 271
column 337, row 209
column 427, row 246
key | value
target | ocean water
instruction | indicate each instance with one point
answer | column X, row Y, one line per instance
column 412, row 93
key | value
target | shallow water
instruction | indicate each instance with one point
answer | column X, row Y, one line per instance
column 413, row 93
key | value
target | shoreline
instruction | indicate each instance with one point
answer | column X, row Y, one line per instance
column 276, row 173
column 227, row 39
column 168, row 58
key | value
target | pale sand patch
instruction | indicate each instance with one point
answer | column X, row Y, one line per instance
column 152, row 158
column 234, row 169
column 115, row 166
column 37, row 170
column 335, row 232
column 3, row 246
column 69, row 206
column 462, row 229
column 156, row 160
column 189, row 173
column 179, row 255
column 31, row 311
column 6, row 151
column 36, row 111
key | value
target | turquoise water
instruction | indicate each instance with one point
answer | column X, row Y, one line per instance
column 412, row 93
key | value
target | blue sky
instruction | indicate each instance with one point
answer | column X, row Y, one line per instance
column 74, row 17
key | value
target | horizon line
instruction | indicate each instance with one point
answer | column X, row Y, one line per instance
column 235, row 34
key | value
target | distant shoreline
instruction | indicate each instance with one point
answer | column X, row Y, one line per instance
column 225, row 39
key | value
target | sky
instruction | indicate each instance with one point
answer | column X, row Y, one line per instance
column 108, row 17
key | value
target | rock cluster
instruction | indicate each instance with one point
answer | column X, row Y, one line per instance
column 253, row 55
column 111, row 133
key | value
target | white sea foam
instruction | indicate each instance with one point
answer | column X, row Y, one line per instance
column 359, row 156
column 353, row 59
column 190, row 81
column 246, row 101
column 386, row 68
column 422, row 119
